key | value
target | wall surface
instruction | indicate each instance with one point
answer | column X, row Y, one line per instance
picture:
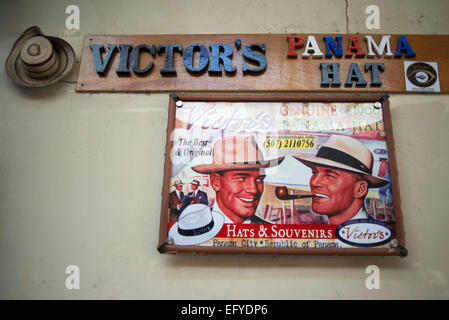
column 81, row 174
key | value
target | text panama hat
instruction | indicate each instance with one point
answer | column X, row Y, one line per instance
column 196, row 224
column 236, row 153
column 343, row 152
column 37, row 60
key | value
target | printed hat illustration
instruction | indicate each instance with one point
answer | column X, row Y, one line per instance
column 196, row 224
column 37, row 60
column 195, row 182
column 342, row 152
column 178, row 183
column 236, row 153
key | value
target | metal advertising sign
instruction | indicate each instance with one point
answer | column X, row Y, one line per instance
column 281, row 174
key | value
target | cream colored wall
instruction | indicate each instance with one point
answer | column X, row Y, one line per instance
column 81, row 174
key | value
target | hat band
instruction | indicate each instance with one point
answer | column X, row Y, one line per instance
column 239, row 163
column 197, row 231
column 343, row 158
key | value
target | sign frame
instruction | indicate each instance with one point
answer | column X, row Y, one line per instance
column 397, row 249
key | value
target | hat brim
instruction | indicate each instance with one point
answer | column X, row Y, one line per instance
column 209, row 168
column 312, row 161
column 15, row 69
column 179, row 239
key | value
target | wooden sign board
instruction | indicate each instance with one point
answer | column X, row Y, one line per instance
column 265, row 62
column 280, row 174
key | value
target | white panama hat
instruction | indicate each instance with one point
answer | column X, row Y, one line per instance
column 196, row 224
column 343, row 152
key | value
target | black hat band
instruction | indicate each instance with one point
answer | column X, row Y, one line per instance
column 343, row 158
column 197, row 231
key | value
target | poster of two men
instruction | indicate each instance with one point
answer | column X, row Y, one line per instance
column 305, row 175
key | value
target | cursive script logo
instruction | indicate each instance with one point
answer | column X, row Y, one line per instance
column 364, row 232
column 215, row 120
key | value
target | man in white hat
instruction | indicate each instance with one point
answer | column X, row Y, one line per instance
column 175, row 201
column 236, row 175
column 341, row 177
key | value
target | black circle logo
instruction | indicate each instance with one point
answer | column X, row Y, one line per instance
column 421, row 74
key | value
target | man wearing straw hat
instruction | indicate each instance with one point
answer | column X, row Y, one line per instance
column 196, row 195
column 341, row 177
column 175, row 201
column 236, row 175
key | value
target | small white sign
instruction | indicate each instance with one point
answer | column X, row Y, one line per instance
column 421, row 76
column 364, row 232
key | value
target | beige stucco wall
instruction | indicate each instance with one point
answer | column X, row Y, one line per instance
column 81, row 174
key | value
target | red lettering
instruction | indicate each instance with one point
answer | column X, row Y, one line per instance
column 349, row 233
column 334, row 110
column 284, row 110
column 354, row 45
column 294, row 42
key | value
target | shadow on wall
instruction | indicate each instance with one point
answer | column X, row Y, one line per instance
column 231, row 261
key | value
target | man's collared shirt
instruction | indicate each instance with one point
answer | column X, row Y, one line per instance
column 361, row 214
column 249, row 220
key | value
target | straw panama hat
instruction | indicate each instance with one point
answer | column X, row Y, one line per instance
column 343, row 152
column 196, row 224
column 236, row 153
column 178, row 183
column 195, row 182
column 37, row 60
